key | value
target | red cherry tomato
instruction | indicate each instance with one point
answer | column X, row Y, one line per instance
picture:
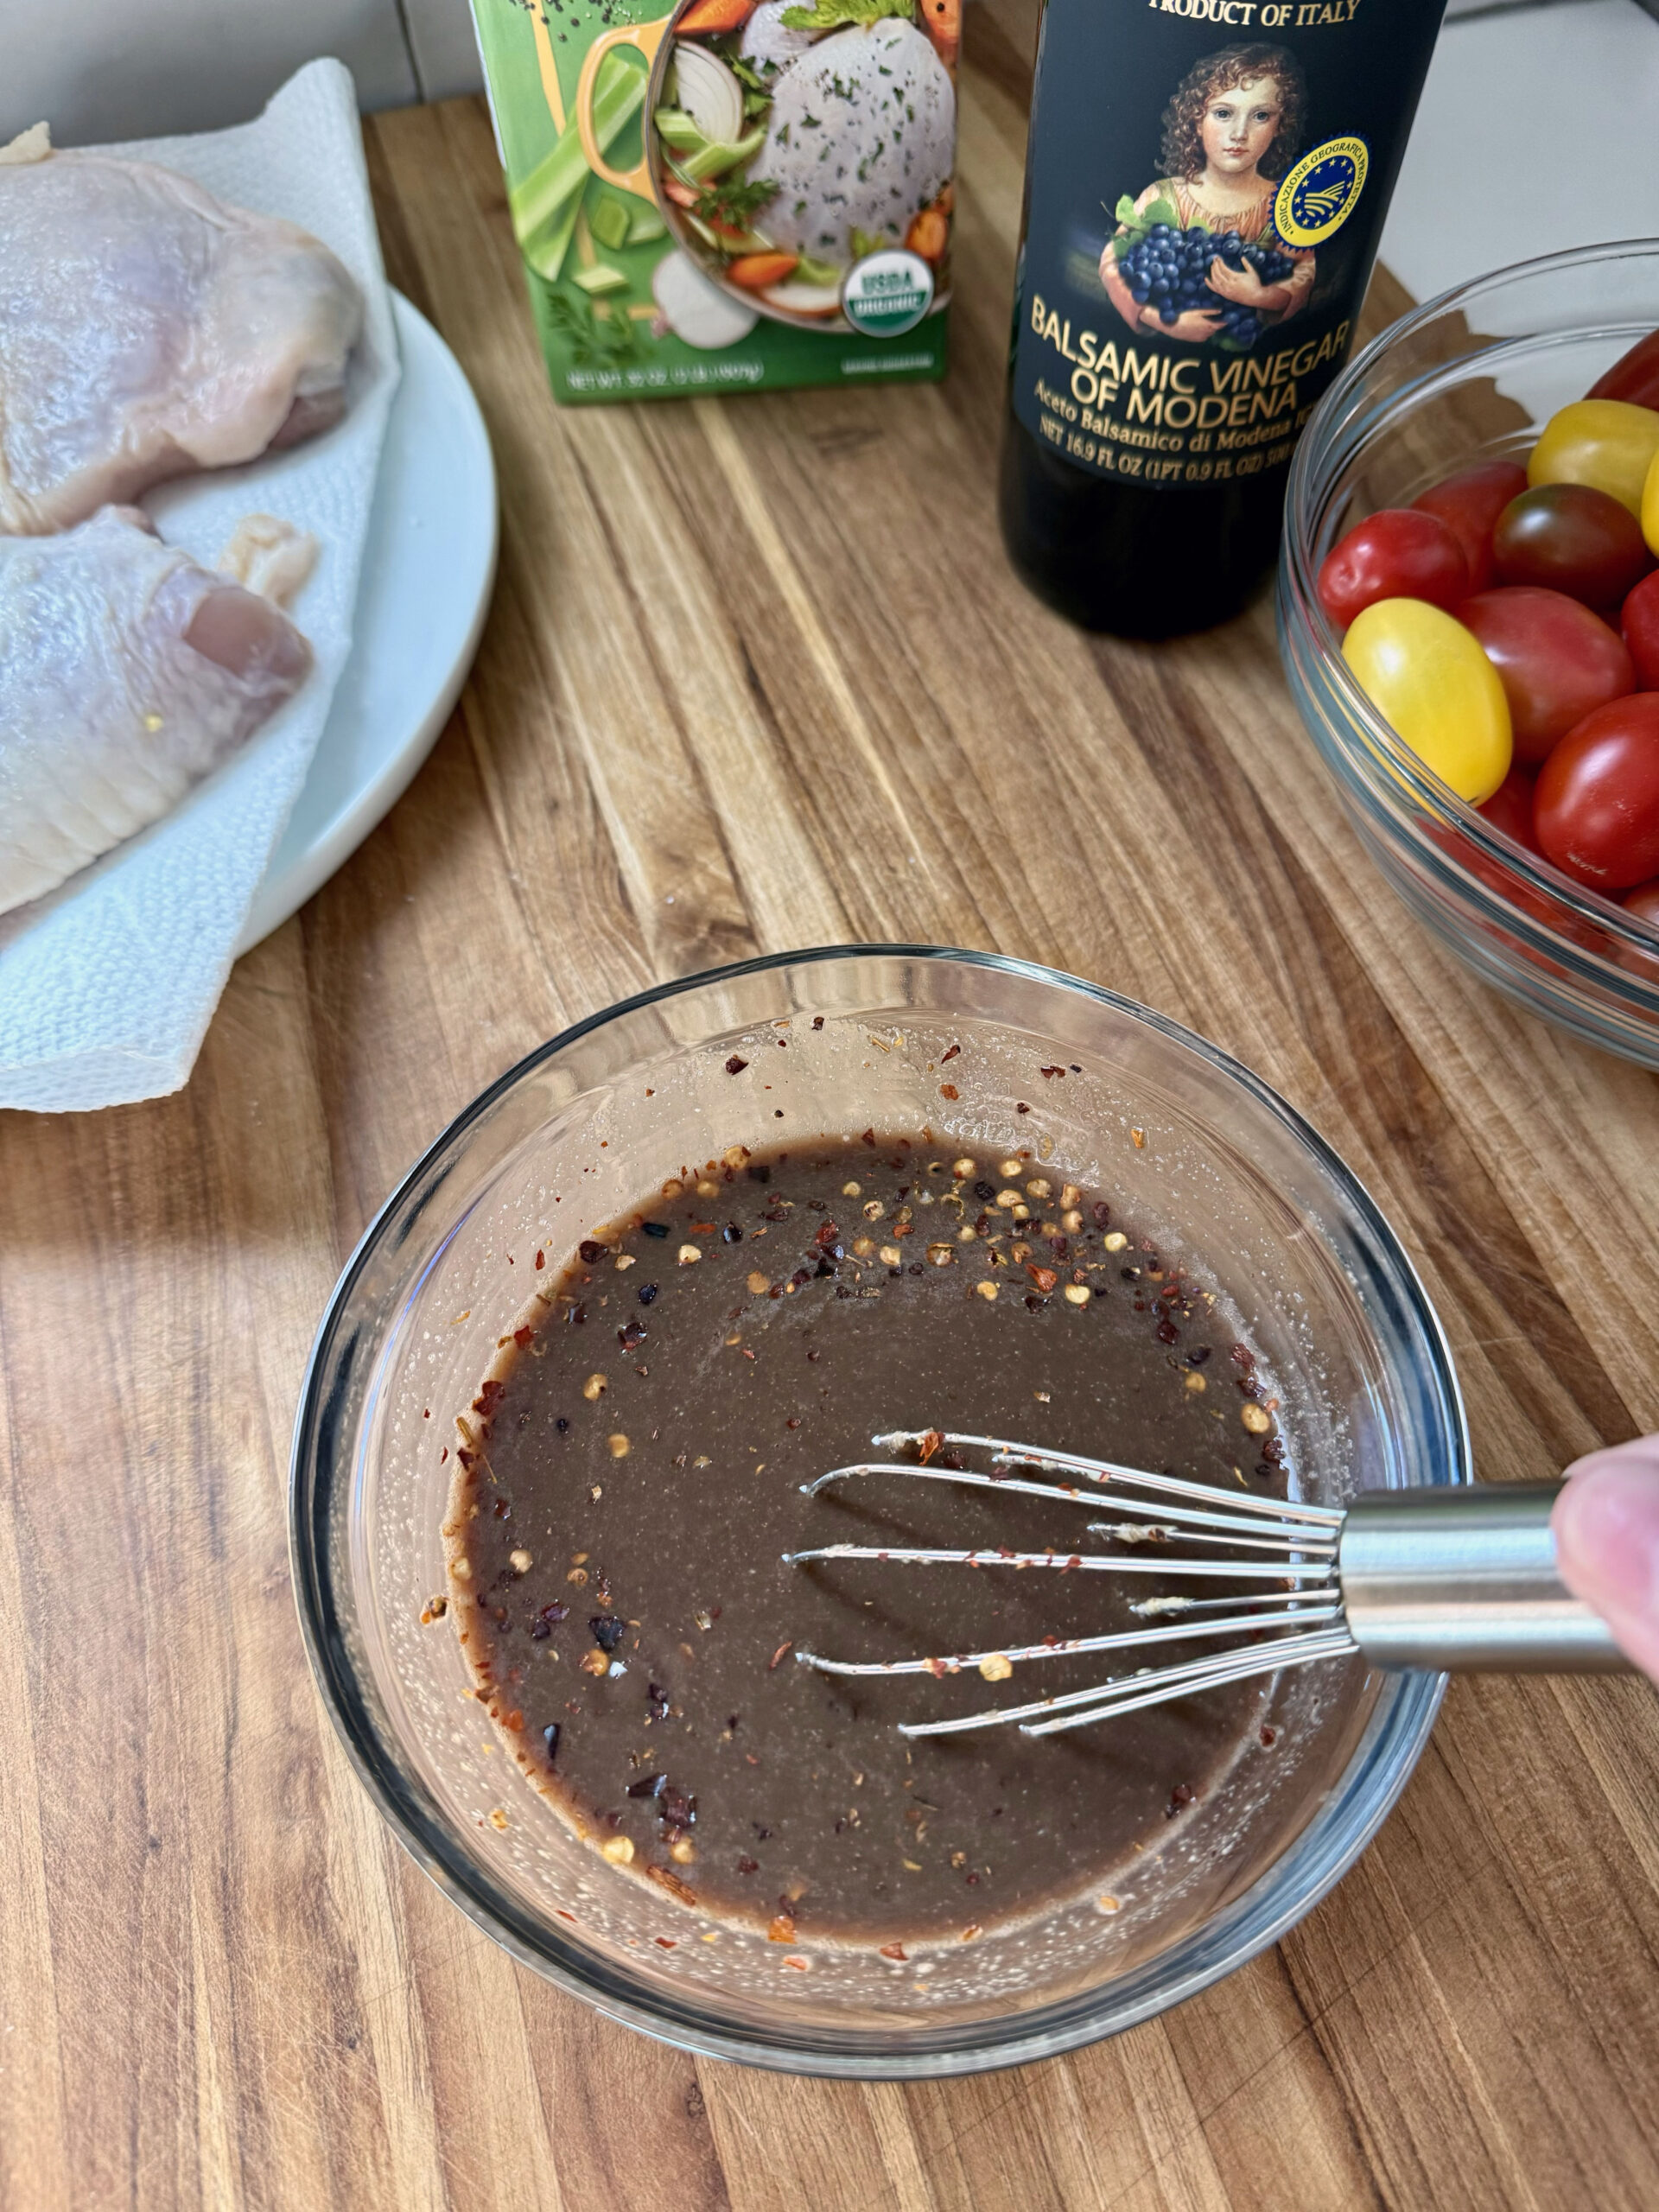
column 1469, row 504
column 1643, row 903
column 1393, row 554
column 1633, row 377
column 1554, row 658
column 1510, row 808
column 1597, row 806
column 1640, row 623
column 1573, row 538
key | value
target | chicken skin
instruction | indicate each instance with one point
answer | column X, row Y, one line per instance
column 128, row 672
column 148, row 330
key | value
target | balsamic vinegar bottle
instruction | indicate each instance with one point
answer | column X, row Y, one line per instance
column 1205, row 185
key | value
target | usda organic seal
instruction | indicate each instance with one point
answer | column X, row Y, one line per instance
column 888, row 294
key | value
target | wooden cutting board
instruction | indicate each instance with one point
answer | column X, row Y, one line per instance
column 757, row 676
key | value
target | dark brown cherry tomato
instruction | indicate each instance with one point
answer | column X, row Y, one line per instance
column 1469, row 504
column 1639, row 621
column 1633, row 377
column 1570, row 537
column 1554, row 658
column 1394, row 554
column 1510, row 808
column 1596, row 809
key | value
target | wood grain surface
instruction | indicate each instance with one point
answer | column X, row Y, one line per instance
column 223, row 1983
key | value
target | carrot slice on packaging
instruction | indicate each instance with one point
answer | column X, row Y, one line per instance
column 707, row 18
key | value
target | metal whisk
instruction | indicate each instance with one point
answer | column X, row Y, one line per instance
column 1449, row 1578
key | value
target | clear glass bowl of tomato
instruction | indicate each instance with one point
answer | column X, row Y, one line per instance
column 1470, row 378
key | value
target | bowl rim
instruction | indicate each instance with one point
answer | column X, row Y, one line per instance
column 1339, row 428
column 1354, row 1809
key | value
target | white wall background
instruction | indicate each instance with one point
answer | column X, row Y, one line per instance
column 134, row 69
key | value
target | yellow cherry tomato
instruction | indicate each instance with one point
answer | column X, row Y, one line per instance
column 1427, row 676
column 1649, row 516
column 1605, row 444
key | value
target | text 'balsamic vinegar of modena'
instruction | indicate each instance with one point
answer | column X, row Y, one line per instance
column 1205, row 187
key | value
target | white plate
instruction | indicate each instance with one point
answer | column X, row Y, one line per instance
column 429, row 563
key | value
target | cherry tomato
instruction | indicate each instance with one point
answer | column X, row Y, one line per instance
column 1470, row 504
column 1597, row 807
column 1510, row 808
column 1640, row 623
column 1643, row 903
column 1554, row 658
column 1396, row 553
column 1607, row 442
column 1570, row 537
column 1634, row 376
column 1428, row 675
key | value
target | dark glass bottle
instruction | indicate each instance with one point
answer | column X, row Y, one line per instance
column 1205, row 187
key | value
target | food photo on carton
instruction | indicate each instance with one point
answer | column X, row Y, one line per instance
column 729, row 196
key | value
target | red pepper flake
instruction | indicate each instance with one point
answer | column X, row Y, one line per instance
column 666, row 1879
column 895, row 1951
column 524, row 1336
column 817, row 1021
column 735, row 1065
column 668, row 1943
column 563, row 1915
column 1052, row 1071
column 1021, row 1107
column 927, row 1443
column 484, row 1401
column 1045, row 1277
column 869, row 1137
column 772, row 1662
column 1180, row 1797
column 1269, row 1736
column 782, row 1929
column 443, row 1455
column 948, row 1091
column 799, row 1964
column 951, row 1054
column 748, row 1866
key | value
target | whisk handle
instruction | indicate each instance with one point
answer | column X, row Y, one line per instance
column 1465, row 1579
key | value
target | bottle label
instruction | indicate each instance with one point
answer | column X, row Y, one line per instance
column 1205, row 194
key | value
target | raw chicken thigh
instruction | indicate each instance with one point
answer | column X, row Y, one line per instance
column 127, row 673
column 148, row 330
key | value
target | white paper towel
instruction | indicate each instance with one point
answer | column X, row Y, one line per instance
column 106, row 986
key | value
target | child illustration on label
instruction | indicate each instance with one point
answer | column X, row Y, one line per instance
column 1196, row 256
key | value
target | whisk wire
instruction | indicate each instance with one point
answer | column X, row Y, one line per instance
column 1298, row 1622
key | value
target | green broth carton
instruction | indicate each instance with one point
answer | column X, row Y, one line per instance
column 732, row 194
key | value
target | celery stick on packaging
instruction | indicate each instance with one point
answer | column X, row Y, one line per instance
column 733, row 195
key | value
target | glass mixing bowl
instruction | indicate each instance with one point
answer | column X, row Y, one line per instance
column 1471, row 376
column 581, row 1130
